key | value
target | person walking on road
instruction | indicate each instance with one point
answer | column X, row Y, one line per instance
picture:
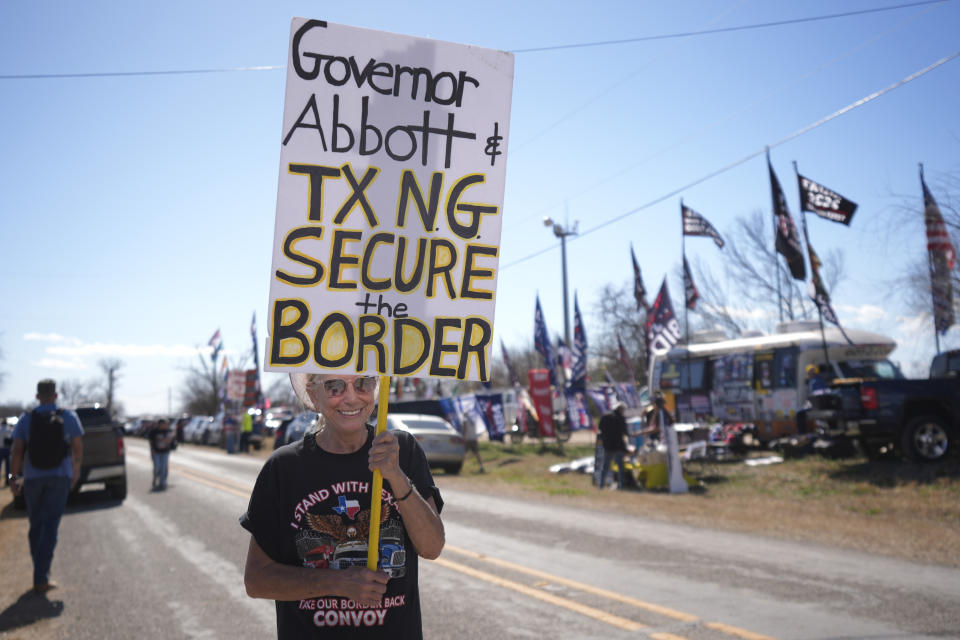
column 613, row 433
column 161, row 443
column 309, row 520
column 45, row 464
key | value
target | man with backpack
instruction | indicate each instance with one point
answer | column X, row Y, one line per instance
column 45, row 465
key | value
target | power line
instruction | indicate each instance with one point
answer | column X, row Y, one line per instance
column 703, row 32
column 115, row 74
column 737, row 163
column 694, row 134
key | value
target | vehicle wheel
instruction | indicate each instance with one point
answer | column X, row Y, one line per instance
column 453, row 469
column 925, row 439
column 118, row 490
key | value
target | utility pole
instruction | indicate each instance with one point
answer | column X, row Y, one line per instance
column 562, row 233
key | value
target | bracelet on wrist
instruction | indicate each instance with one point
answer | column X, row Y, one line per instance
column 407, row 494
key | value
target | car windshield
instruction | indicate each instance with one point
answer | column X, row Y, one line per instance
column 422, row 424
column 869, row 369
column 92, row 416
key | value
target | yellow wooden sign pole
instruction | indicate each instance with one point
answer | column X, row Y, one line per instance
column 376, row 491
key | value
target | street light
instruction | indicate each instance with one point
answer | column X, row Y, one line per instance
column 562, row 233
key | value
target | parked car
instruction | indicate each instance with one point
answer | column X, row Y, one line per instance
column 442, row 443
column 300, row 425
column 196, row 429
column 274, row 419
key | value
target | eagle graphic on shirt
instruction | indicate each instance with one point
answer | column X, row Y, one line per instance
column 335, row 542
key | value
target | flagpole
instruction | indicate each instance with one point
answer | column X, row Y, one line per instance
column 806, row 237
column 683, row 255
column 776, row 263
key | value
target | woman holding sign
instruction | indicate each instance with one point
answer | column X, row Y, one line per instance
column 309, row 518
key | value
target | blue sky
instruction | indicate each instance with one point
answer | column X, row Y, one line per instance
column 137, row 212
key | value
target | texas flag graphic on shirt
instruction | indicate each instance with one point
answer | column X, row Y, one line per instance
column 349, row 507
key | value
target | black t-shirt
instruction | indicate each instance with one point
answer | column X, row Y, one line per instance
column 161, row 440
column 311, row 508
column 613, row 429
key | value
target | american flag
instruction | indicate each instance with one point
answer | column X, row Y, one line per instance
column 942, row 256
column 695, row 224
column 215, row 343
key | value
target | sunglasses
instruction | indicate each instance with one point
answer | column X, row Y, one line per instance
column 334, row 387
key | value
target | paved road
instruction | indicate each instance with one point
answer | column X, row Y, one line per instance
column 169, row 565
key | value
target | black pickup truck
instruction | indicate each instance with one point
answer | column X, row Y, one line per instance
column 920, row 419
column 104, row 458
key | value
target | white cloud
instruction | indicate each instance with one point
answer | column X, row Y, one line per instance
column 913, row 325
column 124, row 350
column 68, row 347
column 50, row 337
column 52, row 363
column 860, row 315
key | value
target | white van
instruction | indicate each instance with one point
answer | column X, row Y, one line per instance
column 761, row 379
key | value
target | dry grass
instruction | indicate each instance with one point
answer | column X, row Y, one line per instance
column 889, row 508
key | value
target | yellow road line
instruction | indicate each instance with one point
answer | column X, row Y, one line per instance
column 216, row 484
column 590, row 612
column 243, row 491
column 611, row 595
column 230, row 486
column 736, row 631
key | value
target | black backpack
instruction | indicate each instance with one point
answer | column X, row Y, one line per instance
column 47, row 445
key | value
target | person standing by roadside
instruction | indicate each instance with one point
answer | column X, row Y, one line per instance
column 246, row 428
column 613, row 431
column 6, row 439
column 161, row 443
column 230, row 432
column 309, row 519
column 654, row 430
column 471, row 437
column 45, row 465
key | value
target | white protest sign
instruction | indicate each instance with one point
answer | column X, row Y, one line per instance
column 389, row 204
column 236, row 384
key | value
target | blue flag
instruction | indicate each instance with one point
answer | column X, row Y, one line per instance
column 541, row 342
column 579, row 370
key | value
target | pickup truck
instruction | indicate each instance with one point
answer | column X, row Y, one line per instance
column 920, row 419
column 103, row 454
column 104, row 459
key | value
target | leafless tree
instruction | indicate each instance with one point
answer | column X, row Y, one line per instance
column 750, row 282
column 110, row 368
column 200, row 393
column 617, row 315
column 75, row 392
